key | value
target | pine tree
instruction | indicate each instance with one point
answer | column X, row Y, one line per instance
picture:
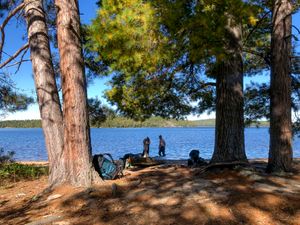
column 77, row 166
column 46, row 88
column 158, row 61
column 280, row 154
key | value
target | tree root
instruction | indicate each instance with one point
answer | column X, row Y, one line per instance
column 220, row 165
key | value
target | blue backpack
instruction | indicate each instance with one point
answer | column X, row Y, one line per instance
column 107, row 168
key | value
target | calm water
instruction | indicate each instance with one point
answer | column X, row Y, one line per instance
column 29, row 143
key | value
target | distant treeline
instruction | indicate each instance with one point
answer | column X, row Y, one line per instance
column 125, row 122
column 20, row 124
column 154, row 122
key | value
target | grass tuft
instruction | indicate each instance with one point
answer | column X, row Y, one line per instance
column 11, row 171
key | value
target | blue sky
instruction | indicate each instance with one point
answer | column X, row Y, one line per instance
column 24, row 80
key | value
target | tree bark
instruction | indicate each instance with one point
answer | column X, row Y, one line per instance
column 229, row 131
column 280, row 152
column 77, row 149
column 45, row 84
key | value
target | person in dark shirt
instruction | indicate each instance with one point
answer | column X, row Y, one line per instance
column 146, row 143
column 161, row 146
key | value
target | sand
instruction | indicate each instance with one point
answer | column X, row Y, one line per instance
column 162, row 194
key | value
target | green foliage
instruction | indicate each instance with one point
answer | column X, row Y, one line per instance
column 204, row 29
column 98, row 113
column 156, row 122
column 143, row 97
column 119, row 121
column 257, row 102
column 21, row 124
column 127, row 36
column 257, row 38
column 196, row 35
column 10, row 99
column 12, row 172
column 160, row 52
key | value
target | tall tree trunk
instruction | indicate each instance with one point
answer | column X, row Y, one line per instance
column 45, row 84
column 280, row 153
column 229, row 132
column 77, row 149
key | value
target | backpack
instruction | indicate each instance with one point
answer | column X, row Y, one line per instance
column 107, row 168
column 195, row 160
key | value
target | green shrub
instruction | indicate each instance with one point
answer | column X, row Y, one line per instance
column 12, row 172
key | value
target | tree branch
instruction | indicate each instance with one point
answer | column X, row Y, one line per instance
column 257, row 25
column 6, row 81
column 263, row 56
column 296, row 28
column 6, row 20
column 204, row 85
column 18, row 63
column 21, row 60
column 24, row 47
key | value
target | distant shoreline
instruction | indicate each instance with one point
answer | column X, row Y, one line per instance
column 121, row 122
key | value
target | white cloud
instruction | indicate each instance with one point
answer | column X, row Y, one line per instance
column 203, row 116
column 31, row 113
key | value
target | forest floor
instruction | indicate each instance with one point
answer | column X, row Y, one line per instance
column 163, row 194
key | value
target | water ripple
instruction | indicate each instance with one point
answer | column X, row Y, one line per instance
column 29, row 143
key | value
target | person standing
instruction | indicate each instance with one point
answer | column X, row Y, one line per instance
column 161, row 146
column 146, row 143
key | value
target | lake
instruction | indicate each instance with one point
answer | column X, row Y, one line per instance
column 29, row 144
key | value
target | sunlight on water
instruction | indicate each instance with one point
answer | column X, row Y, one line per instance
column 29, row 143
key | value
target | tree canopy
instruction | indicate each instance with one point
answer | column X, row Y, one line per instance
column 196, row 53
column 162, row 54
column 11, row 98
column 128, row 35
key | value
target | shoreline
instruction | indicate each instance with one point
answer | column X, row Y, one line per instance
column 165, row 161
column 202, row 126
